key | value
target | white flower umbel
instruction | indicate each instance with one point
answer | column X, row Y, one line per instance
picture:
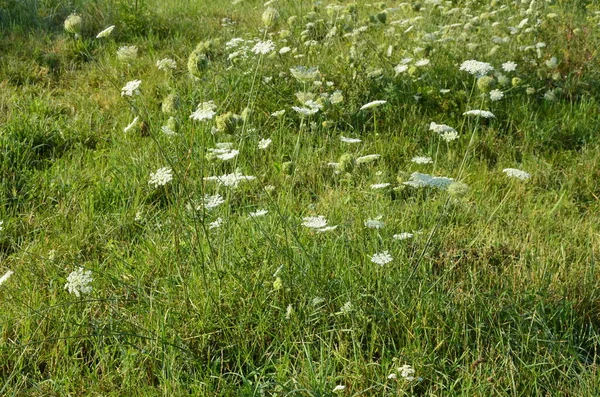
column 377, row 186
column 317, row 223
column 480, row 113
column 350, row 140
column 230, row 180
column 264, row 143
column 216, row 224
column 476, row 68
column 446, row 132
column 373, row 104
column 263, row 47
column 205, row 111
column 367, row 159
column 376, row 223
column 127, row 53
column 422, row 160
column 516, row 173
column 131, row 88
column 407, row 372
column 211, row 202
column 496, row 95
column 509, row 66
column 382, row 258
column 6, row 276
column 304, row 74
column 402, row 236
column 132, row 124
column 338, row 388
column 106, row 32
column 419, row 180
column 161, row 177
column 79, row 281
column 257, row 214
column 166, row 64
column 278, row 113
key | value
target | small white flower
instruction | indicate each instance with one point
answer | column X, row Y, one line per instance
column 161, row 177
column 422, row 62
column 516, row 173
column 205, row 111
column 392, row 376
column 422, row 160
column 476, row 68
column 552, row 63
column 402, row 236
column 480, row 113
column 346, row 308
column 6, row 276
column 216, row 224
column 132, row 124
column 166, row 64
column 263, row 47
column 264, row 143
column 79, row 281
column 419, row 180
column 278, row 113
column 289, row 312
column 131, row 88
column 127, row 53
column 314, row 222
column 305, row 74
column 367, row 159
column 496, row 95
column 382, row 258
column 228, row 155
column 408, row 373
column 338, row 388
column 211, row 202
column 509, row 66
column 350, row 140
column 376, row 223
column 284, row 50
column 373, row 104
column 106, row 32
column 230, row 180
column 446, row 132
column 399, row 69
column 167, row 131
column 377, row 186
column 258, row 214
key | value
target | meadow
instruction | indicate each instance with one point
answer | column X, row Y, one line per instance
column 299, row 198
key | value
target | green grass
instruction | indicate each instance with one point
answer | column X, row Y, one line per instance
column 495, row 294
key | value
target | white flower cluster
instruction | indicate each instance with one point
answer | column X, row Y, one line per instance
column 166, row 64
column 131, row 88
column 516, row 173
column 161, row 177
column 318, row 223
column 476, row 68
column 446, row 132
column 106, row 32
column 263, row 47
column 382, row 258
column 422, row 160
column 304, row 74
column 230, row 180
column 224, row 151
column 419, row 180
column 79, row 281
column 127, row 53
column 480, row 113
column 205, row 111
